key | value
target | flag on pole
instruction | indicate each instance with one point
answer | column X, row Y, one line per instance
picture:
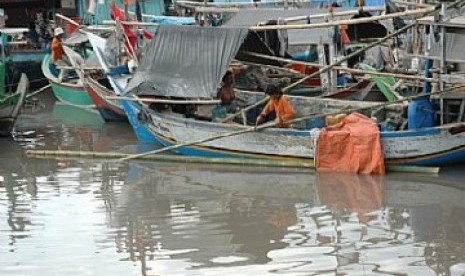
column 91, row 7
column 117, row 14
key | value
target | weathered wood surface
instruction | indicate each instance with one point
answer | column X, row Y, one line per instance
column 297, row 143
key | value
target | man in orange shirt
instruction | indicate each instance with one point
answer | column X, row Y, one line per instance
column 57, row 47
column 58, row 55
column 280, row 105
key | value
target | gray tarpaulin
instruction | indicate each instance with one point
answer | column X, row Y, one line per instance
column 186, row 61
column 454, row 46
column 252, row 17
column 75, row 39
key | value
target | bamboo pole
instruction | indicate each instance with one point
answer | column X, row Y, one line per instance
column 411, row 4
column 350, row 70
column 344, row 22
column 301, row 163
column 149, row 100
column 32, row 94
column 240, row 112
column 130, row 23
column 306, row 26
column 412, row 169
column 286, row 163
column 334, row 14
column 67, row 19
column 130, row 50
column 324, row 69
column 80, row 68
column 272, row 124
column 361, row 50
column 193, row 4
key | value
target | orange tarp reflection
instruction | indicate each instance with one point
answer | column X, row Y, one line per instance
column 352, row 145
column 351, row 192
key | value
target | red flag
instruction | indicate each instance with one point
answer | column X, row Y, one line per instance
column 147, row 35
column 117, row 14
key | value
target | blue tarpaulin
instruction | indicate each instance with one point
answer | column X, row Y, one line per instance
column 172, row 20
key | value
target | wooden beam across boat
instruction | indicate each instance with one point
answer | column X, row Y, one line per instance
column 79, row 68
column 346, row 69
column 335, row 14
column 166, row 101
column 344, row 22
column 194, row 4
column 130, row 23
column 307, row 26
column 296, row 18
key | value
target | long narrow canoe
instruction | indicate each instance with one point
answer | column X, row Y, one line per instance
column 10, row 106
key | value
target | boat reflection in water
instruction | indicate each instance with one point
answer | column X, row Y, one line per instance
column 96, row 217
column 193, row 219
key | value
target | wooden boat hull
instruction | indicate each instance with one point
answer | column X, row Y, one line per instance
column 429, row 146
column 357, row 92
column 110, row 110
column 10, row 106
column 6, row 126
column 72, row 93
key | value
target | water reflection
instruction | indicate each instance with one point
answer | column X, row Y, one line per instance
column 96, row 217
column 248, row 218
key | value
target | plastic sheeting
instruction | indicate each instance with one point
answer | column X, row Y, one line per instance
column 353, row 145
column 252, row 17
column 186, row 61
column 75, row 59
column 454, row 47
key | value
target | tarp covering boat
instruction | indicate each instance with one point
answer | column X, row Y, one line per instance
column 454, row 47
column 353, row 145
column 186, row 61
column 252, row 17
column 76, row 39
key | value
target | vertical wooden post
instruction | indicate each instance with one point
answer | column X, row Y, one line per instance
column 442, row 44
column 442, row 66
column 126, row 14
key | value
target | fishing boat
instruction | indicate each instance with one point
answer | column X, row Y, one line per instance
column 70, row 91
column 163, row 73
column 10, row 106
column 69, row 88
column 110, row 110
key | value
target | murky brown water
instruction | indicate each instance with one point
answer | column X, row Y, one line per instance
column 91, row 217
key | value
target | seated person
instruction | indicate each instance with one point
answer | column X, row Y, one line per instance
column 280, row 105
column 227, row 97
column 226, row 93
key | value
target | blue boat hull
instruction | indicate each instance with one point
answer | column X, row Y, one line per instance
column 147, row 132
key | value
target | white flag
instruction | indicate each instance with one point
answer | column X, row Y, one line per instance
column 91, row 7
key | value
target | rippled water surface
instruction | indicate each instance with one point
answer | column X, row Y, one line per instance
column 100, row 217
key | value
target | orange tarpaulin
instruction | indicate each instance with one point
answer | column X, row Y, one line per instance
column 352, row 145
